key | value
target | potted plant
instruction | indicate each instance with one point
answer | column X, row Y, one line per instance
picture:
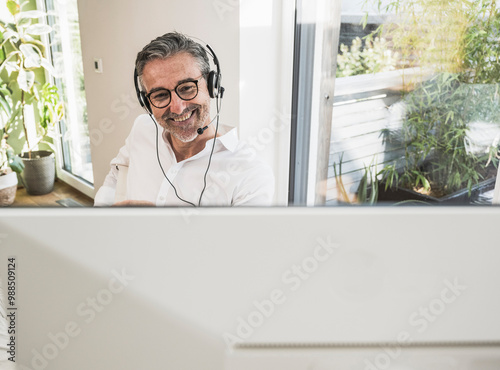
column 10, row 164
column 444, row 160
column 36, row 107
column 456, row 45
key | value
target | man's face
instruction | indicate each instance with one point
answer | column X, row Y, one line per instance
column 180, row 118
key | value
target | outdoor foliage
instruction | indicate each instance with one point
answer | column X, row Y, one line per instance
column 367, row 190
column 375, row 56
column 436, row 134
column 456, row 45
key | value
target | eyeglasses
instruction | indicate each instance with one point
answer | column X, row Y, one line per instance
column 186, row 91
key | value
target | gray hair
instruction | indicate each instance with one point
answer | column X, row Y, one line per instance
column 169, row 45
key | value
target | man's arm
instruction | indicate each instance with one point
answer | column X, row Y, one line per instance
column 106, row 194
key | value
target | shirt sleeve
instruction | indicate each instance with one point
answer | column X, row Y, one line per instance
column 105, row 196
column 257, row 188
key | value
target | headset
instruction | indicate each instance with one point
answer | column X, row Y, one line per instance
column 215, row 91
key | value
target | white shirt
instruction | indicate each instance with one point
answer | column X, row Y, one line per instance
column 236, row 176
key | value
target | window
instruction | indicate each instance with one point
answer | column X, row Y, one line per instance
column 415, row 105
column 65, row 47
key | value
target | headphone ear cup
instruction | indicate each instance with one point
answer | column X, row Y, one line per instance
column 141, row 95
column 213, row 84
column 145, row 102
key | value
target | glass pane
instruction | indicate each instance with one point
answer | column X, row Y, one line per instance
column 416, row 114
column 67, row 59
column 316, row 38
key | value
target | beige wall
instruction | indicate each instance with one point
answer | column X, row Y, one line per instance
column 115, row 30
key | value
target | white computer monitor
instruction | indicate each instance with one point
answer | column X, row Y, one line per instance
column 254, row 288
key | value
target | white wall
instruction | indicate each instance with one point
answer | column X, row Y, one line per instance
column 115, row 30
column 266, row 61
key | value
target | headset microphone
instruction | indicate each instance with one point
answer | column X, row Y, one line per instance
column 201, row 130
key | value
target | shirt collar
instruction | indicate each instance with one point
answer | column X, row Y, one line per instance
column 229, row 137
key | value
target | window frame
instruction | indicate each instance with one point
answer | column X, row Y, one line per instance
column 312, row 101
column 62, row 174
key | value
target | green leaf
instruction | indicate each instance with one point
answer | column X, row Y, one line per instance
column 49, row 67
column 35, row 42
column 426, row 184
column 28, row 38
column 13, row 7
column 29, row 14
column 26, row 79
column 36, row 94
column 39, row 29
column 364, row 20
column 449, row 116
column 23, row 22
column 15, row 162
column 363, row 187
column 23, row 4
column 51, row 146
column 5, row 106
column 11, row 67
column 374, row 193
column 31, row 55
column 11, row 34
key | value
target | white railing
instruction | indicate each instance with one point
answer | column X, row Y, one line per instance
column 364, row 111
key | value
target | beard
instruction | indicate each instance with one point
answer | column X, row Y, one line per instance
column 186, row 131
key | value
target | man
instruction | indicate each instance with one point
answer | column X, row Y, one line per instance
column 194, row 161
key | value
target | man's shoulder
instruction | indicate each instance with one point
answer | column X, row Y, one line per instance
column 240, row 150
column 143, row 121
column 143, row 126
column 248, row 159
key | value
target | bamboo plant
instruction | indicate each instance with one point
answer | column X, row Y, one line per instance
column 456, row 46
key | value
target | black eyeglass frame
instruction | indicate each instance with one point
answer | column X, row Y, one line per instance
column 148, row 96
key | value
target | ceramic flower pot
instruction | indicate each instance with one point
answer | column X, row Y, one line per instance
column 39, row 172
column 8, row 187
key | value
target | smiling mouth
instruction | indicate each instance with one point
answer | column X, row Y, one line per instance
column 184, row 117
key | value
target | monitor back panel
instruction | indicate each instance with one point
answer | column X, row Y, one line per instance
column 200, row 289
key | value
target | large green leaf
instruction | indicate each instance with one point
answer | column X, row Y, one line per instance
column 23, row 22
column 28, row 38
column 38, row 29
column 31, row 40
column 4, row 102
column 49, row 67
column 4, row 105
column 11, row 67
column 26, row 79
column 13, row 7
column 11, row 34
column 15, row 162
column 31, row 14
column 51, row 146
column 32, row 58
column 4, row 90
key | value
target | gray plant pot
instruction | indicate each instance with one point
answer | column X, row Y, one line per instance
column 39, row 172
